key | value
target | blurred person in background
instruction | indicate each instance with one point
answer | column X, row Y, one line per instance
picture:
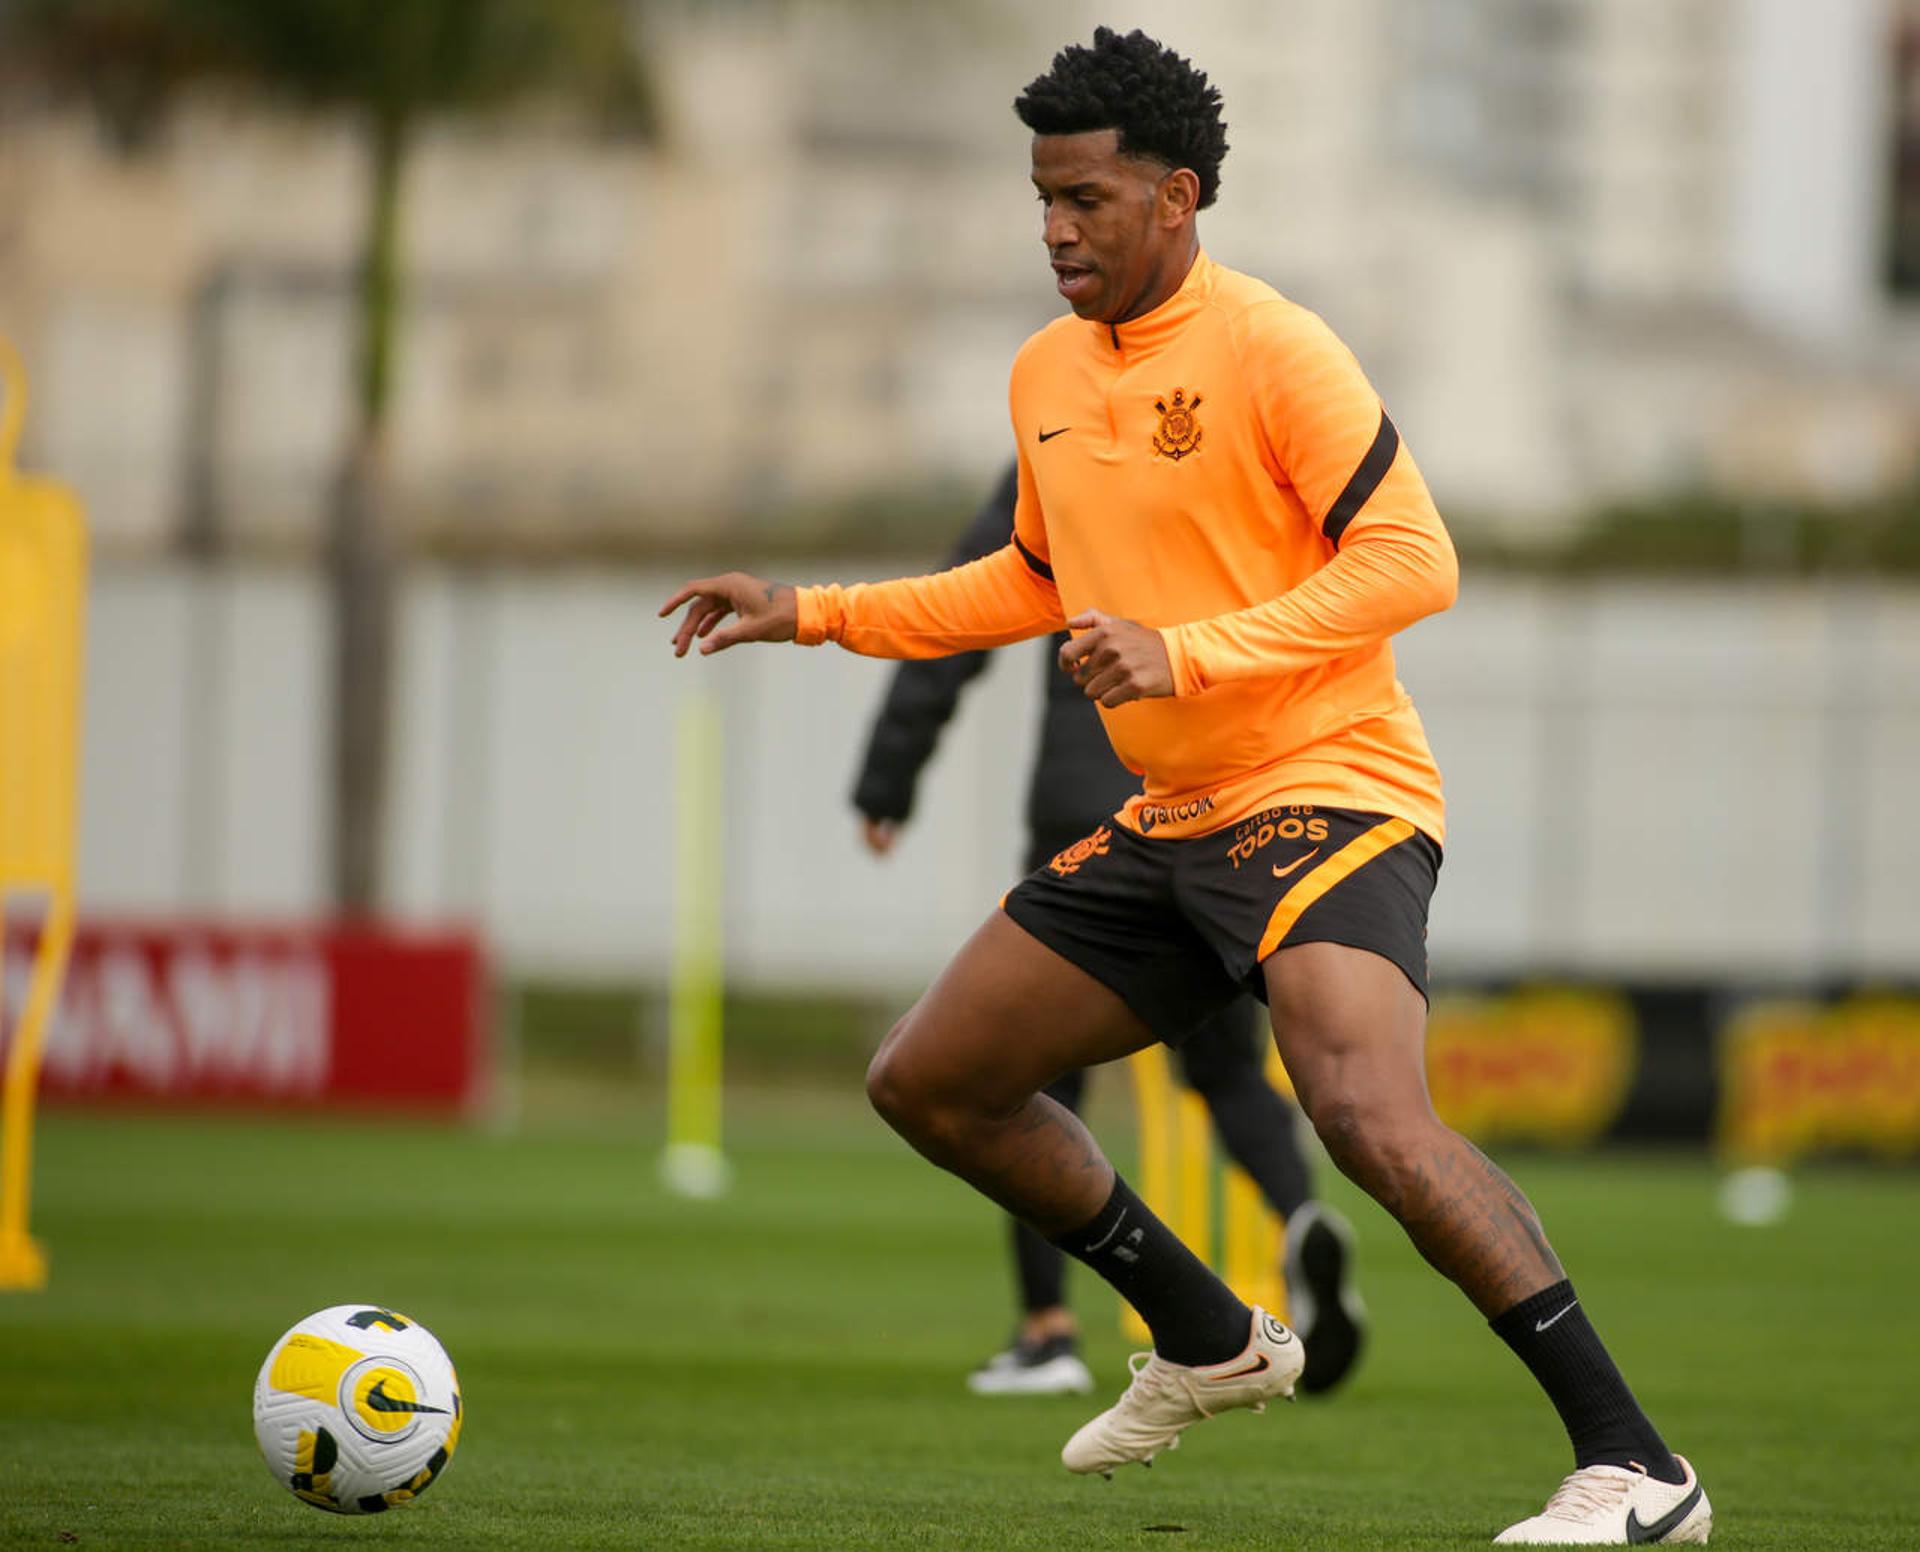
column 1214, row 501
column 1076, row 784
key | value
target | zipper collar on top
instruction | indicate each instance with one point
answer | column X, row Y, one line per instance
column 1165, row 322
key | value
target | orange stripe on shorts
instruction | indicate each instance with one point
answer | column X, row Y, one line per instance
column 1356, row 854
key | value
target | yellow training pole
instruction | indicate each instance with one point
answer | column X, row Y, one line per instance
column 43, row 563
column 693, row 1164
column 1153, row 1100
column 1177, row 1175
column 1252, row 1230
column 1193, row 1188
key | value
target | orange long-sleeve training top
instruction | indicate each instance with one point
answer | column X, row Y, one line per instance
column 1220, row 469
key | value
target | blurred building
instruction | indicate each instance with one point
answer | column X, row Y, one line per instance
column 1588, row 248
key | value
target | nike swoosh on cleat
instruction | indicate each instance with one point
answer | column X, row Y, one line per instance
column 1048, row 436
column 379, row 1401
column 1640, row 1535
column 1541, row 1325
column 1297, row 862
column 1259, row 1366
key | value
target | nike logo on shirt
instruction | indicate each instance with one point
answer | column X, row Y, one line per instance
column 1048, row 436
column 1297, row 862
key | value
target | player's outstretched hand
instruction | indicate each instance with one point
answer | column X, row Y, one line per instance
column 879, row 834
column 766, row 611
column 1116, row 661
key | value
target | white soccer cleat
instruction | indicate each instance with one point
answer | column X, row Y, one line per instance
column 1051, row 1367
column 1615, row 1506
column 1165, row 1398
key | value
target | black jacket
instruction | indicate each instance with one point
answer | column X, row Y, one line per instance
column 1077, row 780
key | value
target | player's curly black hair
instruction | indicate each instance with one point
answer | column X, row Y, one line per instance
column 1161, row 105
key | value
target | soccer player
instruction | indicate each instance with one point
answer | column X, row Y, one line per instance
column 1213, row 500
column 1075, row 785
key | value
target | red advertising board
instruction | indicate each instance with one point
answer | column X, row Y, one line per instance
column 213, row 1012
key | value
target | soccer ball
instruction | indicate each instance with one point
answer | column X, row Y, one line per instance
column 357, row 1409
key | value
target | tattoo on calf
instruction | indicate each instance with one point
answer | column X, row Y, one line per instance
column 1044, row 1144
column 1475, row 1226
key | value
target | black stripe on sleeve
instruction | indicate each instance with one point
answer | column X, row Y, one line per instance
column 1032, row 559
column 1366, row 479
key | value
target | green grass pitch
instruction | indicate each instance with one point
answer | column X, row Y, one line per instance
column 783, row 1369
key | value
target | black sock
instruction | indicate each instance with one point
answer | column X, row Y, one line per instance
column 1039, row 1268
column 1553, row 1337
column 1194, row 1317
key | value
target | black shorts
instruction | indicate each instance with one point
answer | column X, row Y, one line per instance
column 1178, row 928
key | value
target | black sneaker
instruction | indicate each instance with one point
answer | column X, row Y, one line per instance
column 1050, row 1367
column 1321, row 1302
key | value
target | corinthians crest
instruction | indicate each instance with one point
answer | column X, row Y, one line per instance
column 1179, row 432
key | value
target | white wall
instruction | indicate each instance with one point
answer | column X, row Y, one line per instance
column 1810, row 115
column 1644, row 778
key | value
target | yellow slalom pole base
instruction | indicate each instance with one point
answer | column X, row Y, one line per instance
column 692, row 1163
column 23, row 1264
column 695, row 1169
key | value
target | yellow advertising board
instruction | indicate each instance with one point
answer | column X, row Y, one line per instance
column 1543, row 1066
column 1799, row 1079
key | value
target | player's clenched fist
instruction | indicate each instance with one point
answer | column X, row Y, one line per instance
column 1116, row 661
column 766, row 612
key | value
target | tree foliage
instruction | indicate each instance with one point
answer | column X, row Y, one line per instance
column 385, row 65
column 395, row 57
